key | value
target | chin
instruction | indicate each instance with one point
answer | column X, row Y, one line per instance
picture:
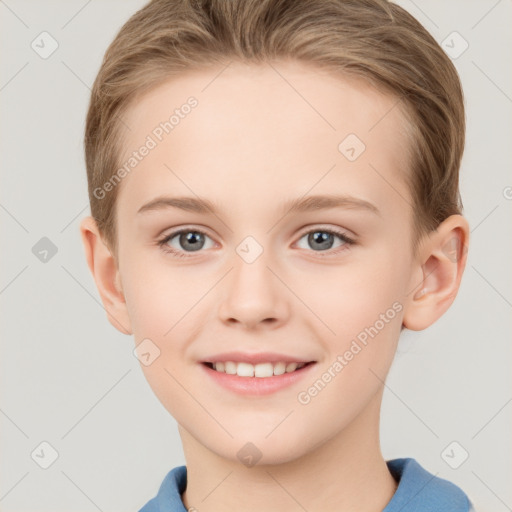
column 254, row 449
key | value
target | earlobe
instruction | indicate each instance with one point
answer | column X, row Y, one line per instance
column 106, row 275
column 441, row 264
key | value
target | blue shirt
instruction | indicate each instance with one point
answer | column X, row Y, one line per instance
column 417, row 491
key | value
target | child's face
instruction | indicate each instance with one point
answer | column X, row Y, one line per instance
column 255, row 141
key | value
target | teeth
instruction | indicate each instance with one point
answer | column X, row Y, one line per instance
column 245, row 370
column 229, row 367
column 290, row 367
column 256, row 370
column 263, row 370
column 279, row 368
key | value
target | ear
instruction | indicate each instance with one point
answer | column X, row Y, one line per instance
column 441, row 262
column 104, row 270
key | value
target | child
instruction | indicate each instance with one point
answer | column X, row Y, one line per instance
column 255, row 130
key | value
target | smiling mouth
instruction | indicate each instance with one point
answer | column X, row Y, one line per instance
column 256, row 370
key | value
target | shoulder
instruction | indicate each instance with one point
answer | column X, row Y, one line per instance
column 168, row 498
column 421, row 491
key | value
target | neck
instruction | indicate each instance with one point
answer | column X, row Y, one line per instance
column 334, row 476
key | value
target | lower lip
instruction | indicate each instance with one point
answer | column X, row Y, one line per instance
column 257, row 385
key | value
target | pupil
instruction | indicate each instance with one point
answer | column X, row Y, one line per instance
column 320, row 237
column 193, row 238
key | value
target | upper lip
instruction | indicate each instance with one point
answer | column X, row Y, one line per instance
column 255, row 358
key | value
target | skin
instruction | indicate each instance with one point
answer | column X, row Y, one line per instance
column 253, row 143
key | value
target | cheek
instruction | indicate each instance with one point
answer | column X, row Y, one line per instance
column 349, row 298
column 361, row 312
column 160, row 299
column 162, row 304
column 364, row 315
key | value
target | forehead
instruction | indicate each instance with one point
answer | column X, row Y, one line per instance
column 270, row 129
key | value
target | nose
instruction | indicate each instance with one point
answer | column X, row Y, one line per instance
column 254, row 295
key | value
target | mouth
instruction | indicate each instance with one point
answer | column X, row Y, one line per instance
column 259, row 370
column 258, row 379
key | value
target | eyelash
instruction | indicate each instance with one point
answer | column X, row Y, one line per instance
column 180, row 254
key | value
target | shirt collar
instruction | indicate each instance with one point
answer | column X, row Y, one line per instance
column 417, row 490
column 421, row 491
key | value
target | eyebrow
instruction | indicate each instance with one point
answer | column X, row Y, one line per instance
column 304, row 204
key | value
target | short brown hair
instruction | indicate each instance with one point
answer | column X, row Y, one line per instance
column 371, row 39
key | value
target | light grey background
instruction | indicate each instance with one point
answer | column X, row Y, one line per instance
column 70, row 379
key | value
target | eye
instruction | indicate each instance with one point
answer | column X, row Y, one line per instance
column 184, row 242
column 188, row 240
column 321, row 240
